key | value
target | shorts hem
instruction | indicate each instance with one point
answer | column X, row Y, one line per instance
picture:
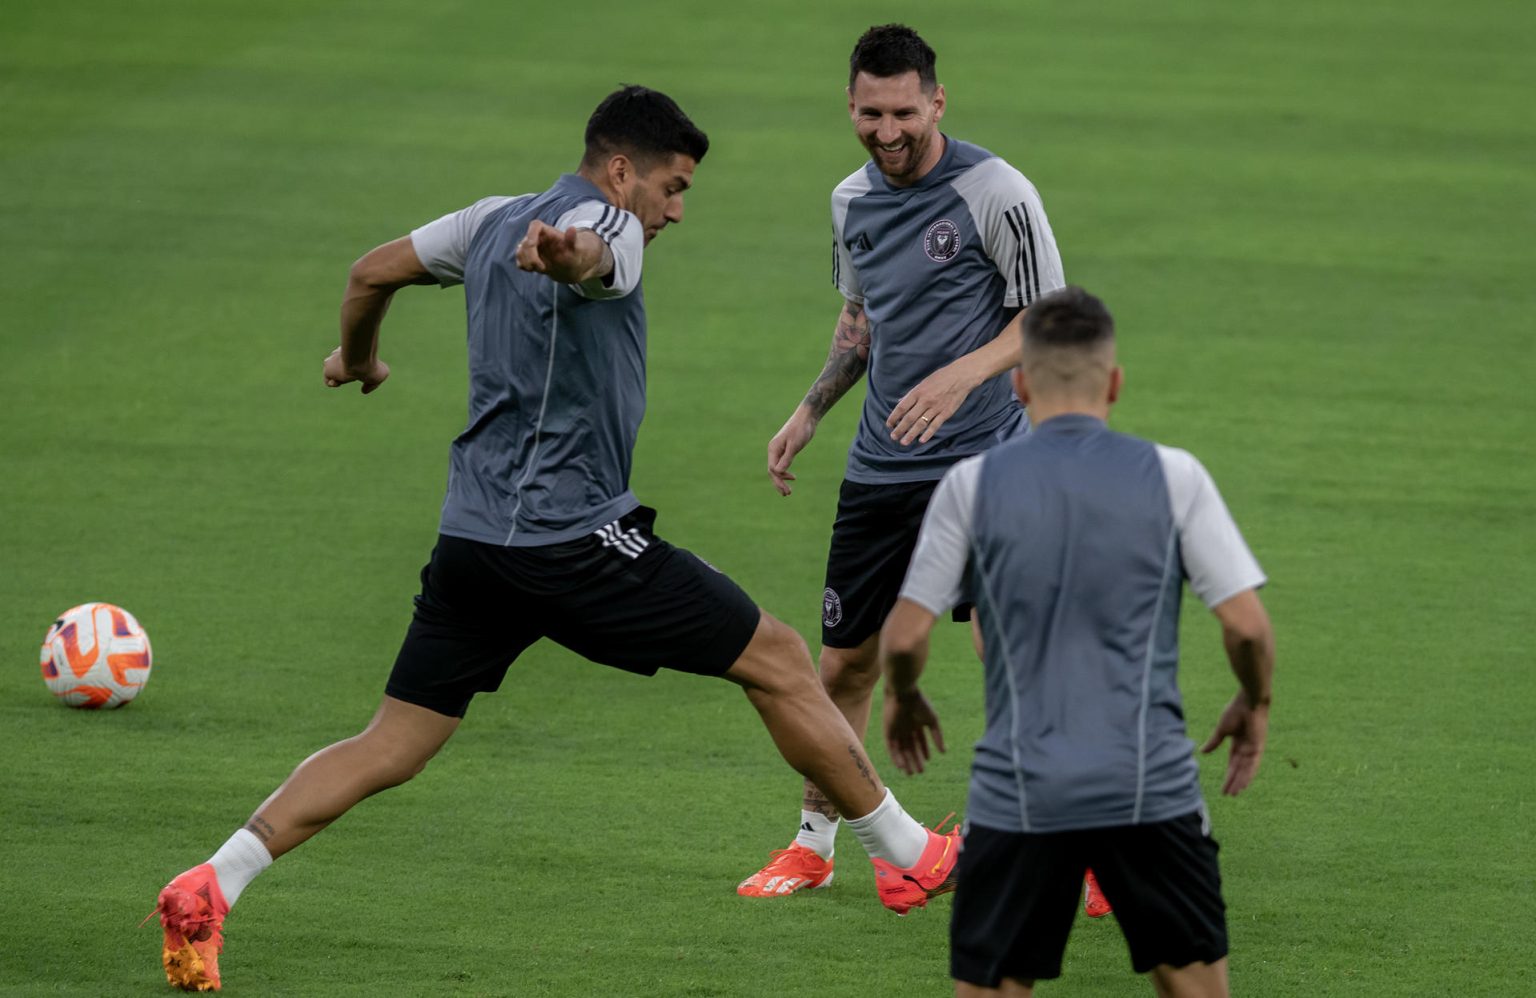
column 456, row 707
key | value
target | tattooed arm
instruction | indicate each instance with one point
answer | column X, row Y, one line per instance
column 846, row 363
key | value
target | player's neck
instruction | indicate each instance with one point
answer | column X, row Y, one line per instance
column 1041, row 410
column 599, row 179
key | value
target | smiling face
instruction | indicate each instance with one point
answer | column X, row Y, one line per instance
column 655, row 196
column 898, row 122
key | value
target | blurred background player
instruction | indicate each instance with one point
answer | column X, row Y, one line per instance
column 1077, row 541
column 938, row 244
column 540, row 534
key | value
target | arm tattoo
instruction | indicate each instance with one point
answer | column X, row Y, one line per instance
column 846, row 361
column 260, row 829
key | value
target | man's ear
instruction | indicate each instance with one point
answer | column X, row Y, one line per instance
column 939, row 103
column 1021, row 385
column 1116, row 382
column 621, row 175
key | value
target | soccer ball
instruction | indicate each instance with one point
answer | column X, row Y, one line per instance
column 96, row 655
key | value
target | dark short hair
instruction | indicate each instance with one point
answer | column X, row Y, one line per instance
column 1068, row 317
column 888, row 50
column 644, row 124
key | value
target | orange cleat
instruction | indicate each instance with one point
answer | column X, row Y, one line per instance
column 901, row 890
column 192, row 910
column 789, row 870
column 1095, row 904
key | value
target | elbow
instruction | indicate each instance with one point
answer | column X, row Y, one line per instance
column 1250, row 633
column 365, row 275
column 1244, row 621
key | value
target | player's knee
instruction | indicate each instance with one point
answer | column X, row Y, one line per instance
column 849, row 670
column 393, row 761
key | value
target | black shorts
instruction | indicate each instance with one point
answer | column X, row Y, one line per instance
column 1018, row 894
column 872, row 541
column 622, row 597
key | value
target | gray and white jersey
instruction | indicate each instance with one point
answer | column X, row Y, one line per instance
column 1074, row 543
column 556, row 372
column 940, row 268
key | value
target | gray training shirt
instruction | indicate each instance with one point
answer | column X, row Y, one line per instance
column 1074, row 542
column 556, row 372
column 940, row 268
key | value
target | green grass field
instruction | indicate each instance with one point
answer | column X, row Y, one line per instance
column 1314, row 223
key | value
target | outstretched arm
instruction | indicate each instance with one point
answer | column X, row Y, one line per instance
column 930, row 403
column 371, row 284
column 846, row 363
column 1250, row 645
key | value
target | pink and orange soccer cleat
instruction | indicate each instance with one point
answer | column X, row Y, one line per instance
column 788, row 870
column 1095, row 904
column 901, row 890
column 192, row 910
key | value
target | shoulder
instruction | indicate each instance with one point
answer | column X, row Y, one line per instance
column 599, row 216
column 1186, row 478
column 484, row 208
column 993, row 181
column 854, row 185
column 963, row 475
column 967, row 154
column 956, row 492
column 1178, row 462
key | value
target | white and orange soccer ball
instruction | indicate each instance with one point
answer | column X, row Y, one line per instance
column 96, row 655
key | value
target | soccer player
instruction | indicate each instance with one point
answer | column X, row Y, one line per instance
column 1075, row 542
column 540, row 535
column 937, row 247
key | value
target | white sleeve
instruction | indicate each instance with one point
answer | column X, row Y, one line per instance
column 621, row 232
column 936, row 577
column 1017, row 235
column 443, row 245
column 1216, row 558
column 844, row 274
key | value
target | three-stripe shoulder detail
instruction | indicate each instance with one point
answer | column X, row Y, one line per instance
column 611, row 223
column 1026, row 267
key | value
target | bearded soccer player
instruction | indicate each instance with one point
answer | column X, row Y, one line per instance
column 938, row 247
column 540, row 534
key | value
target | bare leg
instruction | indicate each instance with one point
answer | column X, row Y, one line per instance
column 814, row 738
column 396, row 745
column 1196, row 980
column 849, row 676
column 1008, row 987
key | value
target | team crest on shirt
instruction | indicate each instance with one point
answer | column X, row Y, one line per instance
column 831, row 608
column 942, row 241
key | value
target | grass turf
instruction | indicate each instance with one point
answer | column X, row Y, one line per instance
column 1312, row 222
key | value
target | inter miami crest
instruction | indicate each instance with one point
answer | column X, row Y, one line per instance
column 942, row 241
column 831, row 608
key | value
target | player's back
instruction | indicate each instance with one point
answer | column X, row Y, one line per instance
column 1077, row 577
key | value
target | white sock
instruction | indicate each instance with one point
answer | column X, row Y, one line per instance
column 237, row 862
column 818, row 833
column 891, row 834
